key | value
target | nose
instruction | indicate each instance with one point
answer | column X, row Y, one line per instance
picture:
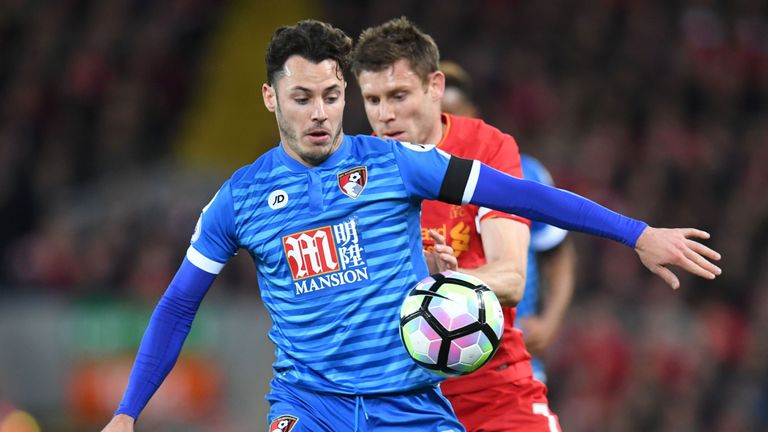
column 318, row 114
column 386, row 113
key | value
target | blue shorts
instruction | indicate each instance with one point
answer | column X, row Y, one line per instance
column 298, row 410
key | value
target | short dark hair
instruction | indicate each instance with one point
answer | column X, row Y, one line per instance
column 314, row 40
column 381, row 46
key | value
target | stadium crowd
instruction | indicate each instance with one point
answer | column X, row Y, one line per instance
column 656, row 108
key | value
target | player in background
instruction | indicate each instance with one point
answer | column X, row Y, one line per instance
column 550, row 277
column 396, row 65
column 334, row 263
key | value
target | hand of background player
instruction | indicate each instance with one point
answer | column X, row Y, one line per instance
column 119, row 423
column 660, row 248
column 441, row 257
column 538, row 334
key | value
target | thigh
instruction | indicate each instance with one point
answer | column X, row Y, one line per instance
column 424, row 411
column 296, row 410
column 518, row 407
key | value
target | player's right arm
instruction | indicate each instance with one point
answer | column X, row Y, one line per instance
column 213, row 243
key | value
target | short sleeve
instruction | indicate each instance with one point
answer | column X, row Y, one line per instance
column 422, row 168
column 214, row 241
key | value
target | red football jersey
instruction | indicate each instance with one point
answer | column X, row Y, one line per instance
column 474, row 139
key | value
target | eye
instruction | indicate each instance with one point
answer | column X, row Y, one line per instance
column 372, row 100
column 399, row 96
column 331, row 99
column 301, row 100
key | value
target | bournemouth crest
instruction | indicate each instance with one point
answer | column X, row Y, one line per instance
column 284, row 423
column 352, row 181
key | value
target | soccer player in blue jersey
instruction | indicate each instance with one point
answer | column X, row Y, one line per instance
column 332, row 223
column 550, row 276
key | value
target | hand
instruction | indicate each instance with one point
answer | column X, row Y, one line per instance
column 660, row 248
column 538, row 334
column 120, row 423
column 440, row 258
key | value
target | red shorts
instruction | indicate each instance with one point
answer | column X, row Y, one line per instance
column 516, row 407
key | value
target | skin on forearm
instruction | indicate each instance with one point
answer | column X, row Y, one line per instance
column 505, row 243
column 120, row 423
column 559, row 278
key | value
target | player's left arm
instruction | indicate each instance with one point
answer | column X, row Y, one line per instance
column 467, row 181
column 505, row 244
column 558, row 279
column 431, row 174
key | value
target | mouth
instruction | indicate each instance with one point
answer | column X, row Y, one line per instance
column 394, row 135
column 318, row 136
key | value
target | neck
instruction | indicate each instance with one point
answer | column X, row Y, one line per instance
column 436, row 135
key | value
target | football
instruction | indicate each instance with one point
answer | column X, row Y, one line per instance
column 451, row 323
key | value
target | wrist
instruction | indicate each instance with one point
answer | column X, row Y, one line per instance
column 123, row 419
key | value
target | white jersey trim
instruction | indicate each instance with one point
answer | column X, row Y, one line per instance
column 469, row 190
column 202, row 262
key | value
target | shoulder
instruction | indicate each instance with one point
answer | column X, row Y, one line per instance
column 256, row 171
column 534, row 170
column 478, row 131
column 367, row 145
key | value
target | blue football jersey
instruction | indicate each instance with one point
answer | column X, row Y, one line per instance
column 337, row 247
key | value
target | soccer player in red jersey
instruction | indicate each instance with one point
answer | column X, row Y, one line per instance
column 396, row 66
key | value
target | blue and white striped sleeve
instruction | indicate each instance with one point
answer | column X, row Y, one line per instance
column 422, row 168
column 214, row 240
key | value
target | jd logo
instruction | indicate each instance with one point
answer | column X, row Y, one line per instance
column 277, row 199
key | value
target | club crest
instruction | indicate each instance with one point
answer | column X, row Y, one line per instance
column 284, row 423
column 353, row 181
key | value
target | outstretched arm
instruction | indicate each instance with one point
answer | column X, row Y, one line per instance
column 162, row 342
column 661, row 248
column 658, row 249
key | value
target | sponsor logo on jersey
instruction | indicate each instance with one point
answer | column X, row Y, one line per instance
column 284, row 423
column 277, row 199
column 458, row 236
column 326, row 257
column 353, row 181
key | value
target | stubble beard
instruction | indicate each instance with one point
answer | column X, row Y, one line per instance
column 291, row 139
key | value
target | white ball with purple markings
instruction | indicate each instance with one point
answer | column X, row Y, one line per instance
column 451, row 323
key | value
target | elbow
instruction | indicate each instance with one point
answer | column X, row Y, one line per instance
column 511, row 292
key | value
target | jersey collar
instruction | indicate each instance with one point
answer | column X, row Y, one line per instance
column 446, row 120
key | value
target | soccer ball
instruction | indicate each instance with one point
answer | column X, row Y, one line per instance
column 451, row 323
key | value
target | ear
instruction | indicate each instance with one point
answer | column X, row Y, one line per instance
column 437, row 85
column 270, row 97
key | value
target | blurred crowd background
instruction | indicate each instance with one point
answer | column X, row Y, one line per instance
column 120, row 118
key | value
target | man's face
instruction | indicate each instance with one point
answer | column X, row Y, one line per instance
column 401, row 106
column 308, row 102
